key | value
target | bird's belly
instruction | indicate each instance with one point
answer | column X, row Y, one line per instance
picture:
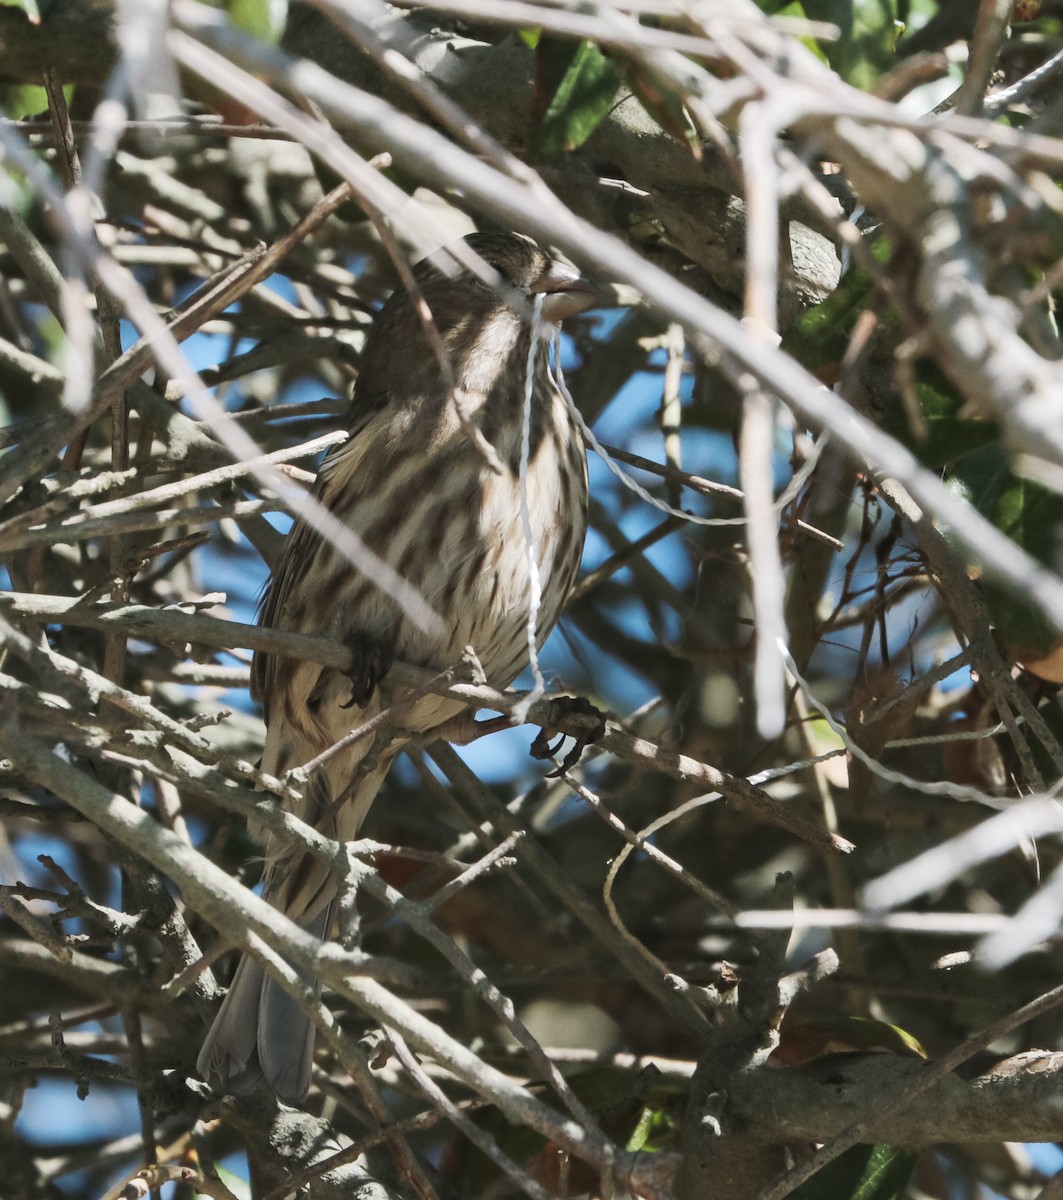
column 453, row 530
column 481, row 583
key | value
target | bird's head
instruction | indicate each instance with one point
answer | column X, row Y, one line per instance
column 523, row 267
column 479, row 294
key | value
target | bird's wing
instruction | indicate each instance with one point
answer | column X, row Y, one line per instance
column 301, row 544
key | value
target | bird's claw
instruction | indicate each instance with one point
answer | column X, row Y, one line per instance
column 562, row 707
column 370, row 662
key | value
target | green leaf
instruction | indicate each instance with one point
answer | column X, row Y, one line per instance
column 946, row 436
column 940, row 434
column 29, row 7
column 861, row 1173
column 584, row 91
column 865, row 49
column 630, row 1109
column 660, row 98
column 871, row 1036
column 1016, row 506
column 1032, row 516
column 21, row 100
column 653, row 1131
column 264, row 18
column 779, row 8
column 820, row 338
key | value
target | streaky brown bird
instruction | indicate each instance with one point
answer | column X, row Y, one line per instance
column 446, row 517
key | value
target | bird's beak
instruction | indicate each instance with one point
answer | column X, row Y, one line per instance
column 565, row 291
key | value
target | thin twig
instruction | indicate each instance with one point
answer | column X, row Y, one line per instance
column 174, row 625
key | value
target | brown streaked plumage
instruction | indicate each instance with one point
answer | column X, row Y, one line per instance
column 423, row 498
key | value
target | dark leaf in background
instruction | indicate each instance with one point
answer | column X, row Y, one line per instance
column 867, row 46
column 30, row 7
column 264, row 18
column 861, row 1173
column 575, row 86
column 1032, row 516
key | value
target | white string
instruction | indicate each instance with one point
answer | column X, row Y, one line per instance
column 955, row 791
column 535, row 594
column 792, row 488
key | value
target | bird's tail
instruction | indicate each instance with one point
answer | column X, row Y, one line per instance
column 261, row 1033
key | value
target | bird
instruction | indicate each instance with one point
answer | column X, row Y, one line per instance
column 429, row 479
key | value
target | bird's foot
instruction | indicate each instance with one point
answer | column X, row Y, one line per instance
column 561, row 708
column 370, row 662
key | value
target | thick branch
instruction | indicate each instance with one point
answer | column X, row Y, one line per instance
column 925, row 198
column 285, row 1138
column 694, row 200
column 1019, row 1100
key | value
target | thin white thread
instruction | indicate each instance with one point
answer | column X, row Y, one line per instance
column 791, row 490
column 943, row 739
column 801, row 475
column 956, row 791
column 535, row 594
column 773, row 773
